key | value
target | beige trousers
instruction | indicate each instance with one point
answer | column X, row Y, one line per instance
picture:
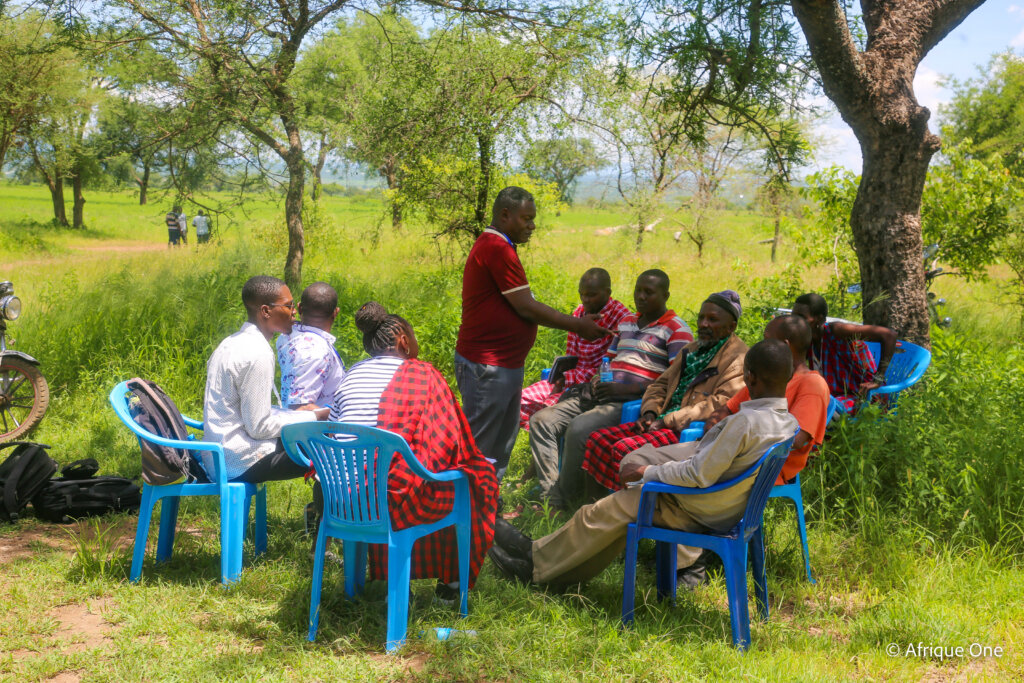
column 596, row 534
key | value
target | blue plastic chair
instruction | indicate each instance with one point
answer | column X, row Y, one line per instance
column 353, row 471
column 905, row 369
column 235, row 499
column 732, row 547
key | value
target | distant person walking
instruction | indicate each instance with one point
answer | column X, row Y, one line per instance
column 183, row 226
column 499, row 325
column 173, row 228
column 202, row 225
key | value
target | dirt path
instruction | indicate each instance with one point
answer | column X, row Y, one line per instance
column 88, row 252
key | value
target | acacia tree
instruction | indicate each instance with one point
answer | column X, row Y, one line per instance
column 872, row 86
column 562, row 160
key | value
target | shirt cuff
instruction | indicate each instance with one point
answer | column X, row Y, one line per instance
column 651, row 473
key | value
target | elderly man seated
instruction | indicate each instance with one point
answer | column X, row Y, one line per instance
column 597, row 533
column 701, row 379
column 838, row 351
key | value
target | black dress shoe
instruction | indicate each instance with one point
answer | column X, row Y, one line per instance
column 689, row 578
column 512, row 540
column 516, row 568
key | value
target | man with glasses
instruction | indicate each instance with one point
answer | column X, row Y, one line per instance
column 238, row 410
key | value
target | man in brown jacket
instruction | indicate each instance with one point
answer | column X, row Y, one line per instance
column 701, row 379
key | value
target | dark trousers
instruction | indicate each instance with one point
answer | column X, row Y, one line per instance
column 490, row 400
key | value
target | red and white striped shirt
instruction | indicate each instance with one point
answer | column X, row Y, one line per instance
column 590, row 353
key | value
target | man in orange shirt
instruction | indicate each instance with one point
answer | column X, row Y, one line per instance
column 807, row 394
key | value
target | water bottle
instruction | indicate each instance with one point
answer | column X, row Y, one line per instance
column 606, row 370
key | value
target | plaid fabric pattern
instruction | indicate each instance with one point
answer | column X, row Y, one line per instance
column 541, row 394
column 607, row 447
column 419, row 406
column 845, row 364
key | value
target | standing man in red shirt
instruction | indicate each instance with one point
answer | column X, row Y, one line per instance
column 499, row 326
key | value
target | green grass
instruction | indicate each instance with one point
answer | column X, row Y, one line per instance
column 905, row 549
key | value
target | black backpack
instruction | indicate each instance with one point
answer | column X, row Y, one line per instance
column 79, row 493
column 22, row 475
column 155, row 412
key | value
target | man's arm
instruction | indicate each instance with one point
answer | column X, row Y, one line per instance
column 712, row 459
column 255, row 384
column 527, row 307
column 872, row 333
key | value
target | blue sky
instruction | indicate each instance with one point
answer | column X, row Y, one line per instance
column 996, row 26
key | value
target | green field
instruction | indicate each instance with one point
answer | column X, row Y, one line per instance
column 915, row 522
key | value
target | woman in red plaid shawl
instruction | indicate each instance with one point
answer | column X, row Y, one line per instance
column 595, row 298
column 392, row 390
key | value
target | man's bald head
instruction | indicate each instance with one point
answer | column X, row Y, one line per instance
column 790, row 328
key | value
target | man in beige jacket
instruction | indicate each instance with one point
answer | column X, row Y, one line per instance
column 596, row 534
column 701, row 379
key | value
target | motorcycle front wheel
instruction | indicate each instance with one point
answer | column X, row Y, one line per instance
column 24, row 397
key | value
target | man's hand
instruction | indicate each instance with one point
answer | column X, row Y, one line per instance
column 558, row 386
column 865, row 387
column 715, row 418
column 588, row 329
column 656, row 425
column 607, row 391
column 645, row 421
column 632, row 472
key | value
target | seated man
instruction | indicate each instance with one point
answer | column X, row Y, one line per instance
column 311, row 369
column 237, row 410
column 646, row 344
column 700, row 380
column 595, row 298
column 392, row 390
column 597, row 533
column 838, row 352
column 806, row 394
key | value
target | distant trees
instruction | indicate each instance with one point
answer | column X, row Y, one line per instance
column 562, row 160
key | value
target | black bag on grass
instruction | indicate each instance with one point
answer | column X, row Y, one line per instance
column 22, row 475
column 155, row 412
column 78, row 493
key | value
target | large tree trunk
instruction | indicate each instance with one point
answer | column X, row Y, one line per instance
column 390, row 173
column 873, row 90
column 485, row 147
column 775, row 239
column 293, row 213
column 78, row 209
column 318, row 170
column 143, row 184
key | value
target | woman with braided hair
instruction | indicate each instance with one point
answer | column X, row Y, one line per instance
column 392, row 390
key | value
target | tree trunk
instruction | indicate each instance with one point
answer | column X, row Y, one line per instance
column 143, row 184
column 56, row 185
column 293, row 214
column 483, row 188
column 389, row 170
column 775, row 239
column 78, row 209
column 318, row 170
column 886, row 223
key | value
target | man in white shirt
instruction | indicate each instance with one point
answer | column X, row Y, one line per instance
column 202, row 225
column 597, row 533
column 183, row 227
column 311, row 370
column 237, row 408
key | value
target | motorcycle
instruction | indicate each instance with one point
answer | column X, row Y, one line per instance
column 24, row 394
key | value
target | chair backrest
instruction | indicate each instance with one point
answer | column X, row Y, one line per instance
column 876, row 350
column 771, row 464
column 833, row 406
column 907, row 367
column 352, row 463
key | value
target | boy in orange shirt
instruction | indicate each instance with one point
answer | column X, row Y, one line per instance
column 807, row 394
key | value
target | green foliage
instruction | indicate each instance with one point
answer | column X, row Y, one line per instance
column 949, row 462
column 562, row 161
column 986, row 114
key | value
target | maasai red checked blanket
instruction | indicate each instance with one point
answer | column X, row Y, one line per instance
column 608, row 446
column 419, row 406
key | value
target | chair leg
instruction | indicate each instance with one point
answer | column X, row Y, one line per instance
column 142, row 531
column 318, row 579
column 735, row 562
column 168, row 523
column 353, row 578
column 232, row 529
column 801, row 527
column 756, row 549
column 665, row 561
column 261, row 519
column 629, row 580
column 399, row 569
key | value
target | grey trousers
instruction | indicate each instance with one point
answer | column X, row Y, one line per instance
column 560, row 483
column 490, row 400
